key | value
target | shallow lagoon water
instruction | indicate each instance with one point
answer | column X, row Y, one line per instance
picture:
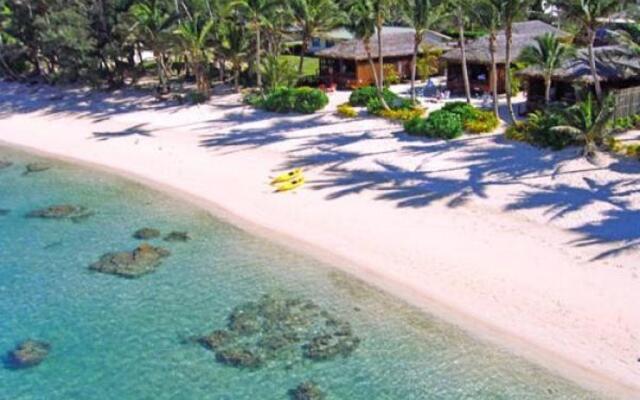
column 115, row 338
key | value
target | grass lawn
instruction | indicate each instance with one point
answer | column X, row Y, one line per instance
column 309, row 67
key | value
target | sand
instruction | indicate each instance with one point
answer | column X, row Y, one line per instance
column 535, row 250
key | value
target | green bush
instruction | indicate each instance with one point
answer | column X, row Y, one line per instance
column 391, row 76
column 537, row 130
column 361, row 96
column 473, row 119
column 303, row 100
column 403, row 114
column 416, row 126
column 465, row 110
column 482, row 122
column 281, row 100
column 439, row 124
column 194, row 97
column 309, row 100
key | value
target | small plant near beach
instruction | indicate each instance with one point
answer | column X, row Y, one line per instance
column 588, row 124
column 345, row 110
column 482, row 122
column 303, row 100
column 474, row 120
column 362, row 96
column 196, row 97
column 439, row 124
column 391, row 76
column 403, row 114
column 538, row 130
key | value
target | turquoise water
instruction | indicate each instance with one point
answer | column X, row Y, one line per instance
column 115, row 338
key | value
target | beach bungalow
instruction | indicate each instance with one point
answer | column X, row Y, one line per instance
column 346, row 64
column 479, row 57
column 618, row 69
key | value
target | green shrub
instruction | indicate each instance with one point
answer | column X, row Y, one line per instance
column 361, row 96
column 391, row 76
column 537, row 130
column 303, row 100
column 196, row 97
column 482, row 122
column 309, row 100
column 345, row 110
column 439, row 124
column 465, row 110
column 416, row 126
column 473, row 119
column 281, row 100
column 253, row 98
column 402, row 114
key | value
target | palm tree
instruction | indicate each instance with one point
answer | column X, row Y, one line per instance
column 152, row 26
column 588, row 14
column 461, row 11
column 235, row 48
column 380, row 10
column 490, row 17
column 362, row 23
column 193, row 34
column 589, row 124
column 314, row 17
column 548, row 54
column 420, row 15
column 513, row 9
column 256, row 11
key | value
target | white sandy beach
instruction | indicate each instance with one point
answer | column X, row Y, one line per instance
column 536, row 250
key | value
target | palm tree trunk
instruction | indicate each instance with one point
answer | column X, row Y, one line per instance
column 494, row 74
column 414, row 65
column 507, row 75
column 592, row 65
column 258, row 61
column 381, row 66
column 303, row 51
column 380, row 56
column 463, row 61
column 547, row 90
column 160, row 71
column 367, row 48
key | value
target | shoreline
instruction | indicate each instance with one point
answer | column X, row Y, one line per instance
column 396, row 283
column 473, row 326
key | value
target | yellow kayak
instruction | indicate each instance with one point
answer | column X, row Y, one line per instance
column 293, row 184
column 287, row 176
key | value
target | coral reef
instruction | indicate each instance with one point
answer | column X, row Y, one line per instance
column 36, row 167
column 306, row 391
column 131, row 264
column 5, row 164
column 177, row 236
column 27, row 354
column 146, row 234
column 276, row 328
column 62, row 211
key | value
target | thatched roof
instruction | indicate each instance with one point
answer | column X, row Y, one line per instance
column 395, row 44
column 613, row 63
column 524, row 34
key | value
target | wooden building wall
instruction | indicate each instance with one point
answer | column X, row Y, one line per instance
column 455, row 82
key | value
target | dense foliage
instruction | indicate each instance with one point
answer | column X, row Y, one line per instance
column 473, row 119
column 439, row 124
column 538, row 130
column 302, row 100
